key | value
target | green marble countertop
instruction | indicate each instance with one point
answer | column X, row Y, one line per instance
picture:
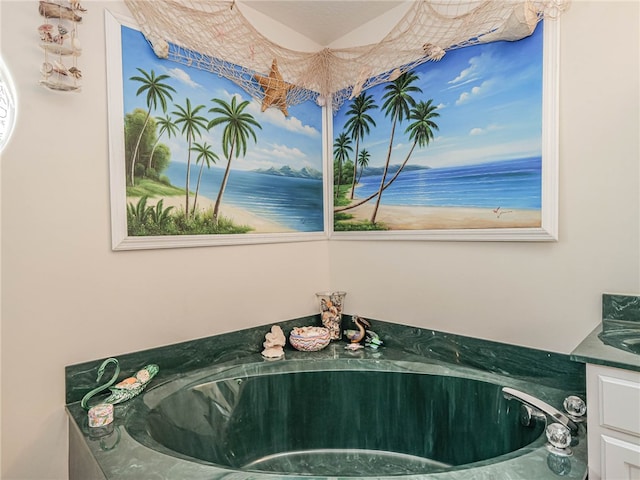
column 595, row 351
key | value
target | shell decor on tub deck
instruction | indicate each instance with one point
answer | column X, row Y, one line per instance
column 331, row 306
column 309, row 339
column 274, row 343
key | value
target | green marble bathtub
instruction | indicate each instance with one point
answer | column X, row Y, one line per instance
column 425, row 406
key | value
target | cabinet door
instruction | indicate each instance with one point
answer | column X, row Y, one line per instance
column 620, row 404
column 613, row 397
column 620, row 459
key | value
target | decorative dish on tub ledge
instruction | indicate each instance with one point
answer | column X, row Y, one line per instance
column 309, row 339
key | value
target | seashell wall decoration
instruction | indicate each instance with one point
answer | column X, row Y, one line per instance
column 61, row 46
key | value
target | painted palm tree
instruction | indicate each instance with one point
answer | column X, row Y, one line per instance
column 363, row 161
column 237, row 130
column 358, row 125
column 157, row 93
column 397, row 104
column 341, row 149
column 192, row 123
column 205, row 156
column 166, row 126
column 420, row 131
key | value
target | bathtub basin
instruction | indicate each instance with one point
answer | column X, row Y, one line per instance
column 343, row 418
column 342, row 422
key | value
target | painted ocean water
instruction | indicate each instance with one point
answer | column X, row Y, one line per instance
column 296, row 203
column 506, row 184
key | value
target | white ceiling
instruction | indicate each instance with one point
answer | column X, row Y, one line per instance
column 323, row 21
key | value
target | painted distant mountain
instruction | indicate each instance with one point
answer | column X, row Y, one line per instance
column 287, row 171
column 392, row 169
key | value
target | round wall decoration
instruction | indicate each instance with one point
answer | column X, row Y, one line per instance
column 8, row 105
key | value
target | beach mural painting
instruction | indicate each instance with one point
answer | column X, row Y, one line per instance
column 460, row 149
column 195, row 162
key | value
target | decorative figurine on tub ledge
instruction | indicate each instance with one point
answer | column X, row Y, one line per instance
column 124, row 390
column 357, row 336
column 274, row 342
column 371, row 338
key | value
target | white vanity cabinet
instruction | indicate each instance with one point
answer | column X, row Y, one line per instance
column 613, row 423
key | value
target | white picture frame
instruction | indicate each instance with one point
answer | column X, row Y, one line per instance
column 120, row 238
column 548, row 228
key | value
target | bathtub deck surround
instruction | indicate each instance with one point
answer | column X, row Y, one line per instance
column 462, row 377
column 549, row 368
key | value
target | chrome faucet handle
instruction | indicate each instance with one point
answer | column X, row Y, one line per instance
column 558, row 416
column 575, row 407
column 559, row 438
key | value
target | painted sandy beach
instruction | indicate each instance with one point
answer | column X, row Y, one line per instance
column 238, row 215
column 436, row 218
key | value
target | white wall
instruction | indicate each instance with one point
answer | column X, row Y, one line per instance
column 67, row 298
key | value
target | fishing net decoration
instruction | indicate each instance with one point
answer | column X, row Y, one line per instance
column 215, row 36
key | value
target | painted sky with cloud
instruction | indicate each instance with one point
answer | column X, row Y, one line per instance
column 295, row 140
column 489, row 98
